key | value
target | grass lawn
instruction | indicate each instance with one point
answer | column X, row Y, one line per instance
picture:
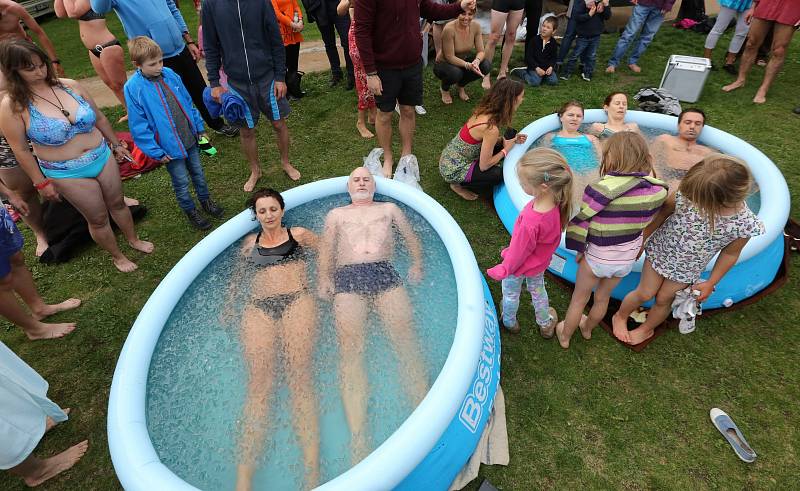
column 597, row 416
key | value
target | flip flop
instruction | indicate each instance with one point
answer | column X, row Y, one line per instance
column 731, row 432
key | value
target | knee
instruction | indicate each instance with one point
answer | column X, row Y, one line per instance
column 511, row 36
column 664, row 299
column 778, row 52
column 279, row 125
column 6, row 283
column 247, row 134
column 98, row 220
column 17, row 260
column 406, row 111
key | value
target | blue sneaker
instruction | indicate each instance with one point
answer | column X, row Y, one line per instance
column 731, row 432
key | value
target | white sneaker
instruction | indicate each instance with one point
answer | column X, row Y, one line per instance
column 420, row 110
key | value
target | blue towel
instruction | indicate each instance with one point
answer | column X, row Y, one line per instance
column 233, row 107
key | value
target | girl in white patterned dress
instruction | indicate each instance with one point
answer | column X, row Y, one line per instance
column 708, row 214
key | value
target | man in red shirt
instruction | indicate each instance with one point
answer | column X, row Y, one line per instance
column 390, row 45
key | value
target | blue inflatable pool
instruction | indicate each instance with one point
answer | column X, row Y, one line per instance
column 759, row 261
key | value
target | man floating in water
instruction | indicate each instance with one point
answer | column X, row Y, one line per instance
column 356, row 271
column 673, row 156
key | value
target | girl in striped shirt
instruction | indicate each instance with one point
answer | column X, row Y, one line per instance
column 606, row 234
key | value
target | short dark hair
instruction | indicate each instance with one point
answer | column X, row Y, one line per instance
column 552, row 20
column 692, row 110
column 264, row 193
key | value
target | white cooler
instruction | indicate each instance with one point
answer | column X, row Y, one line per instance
column 685, row 76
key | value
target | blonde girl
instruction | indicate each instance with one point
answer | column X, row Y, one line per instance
column 708, row 214
column 606, row 234
column 545, row 175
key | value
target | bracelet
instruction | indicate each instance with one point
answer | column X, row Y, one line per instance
column 43, row 184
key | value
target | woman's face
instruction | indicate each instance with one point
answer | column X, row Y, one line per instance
column 35, row 72
column 572, row 118
column 518, row 100
column 618, row 106
column 269, row 212
column 465, row 18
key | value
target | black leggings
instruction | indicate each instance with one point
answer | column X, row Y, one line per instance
column 184, row 65
column 450, row 74
column 292, row 57
column 341, row 24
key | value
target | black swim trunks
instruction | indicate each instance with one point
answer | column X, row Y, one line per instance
column 366, row 278
column 507, row 6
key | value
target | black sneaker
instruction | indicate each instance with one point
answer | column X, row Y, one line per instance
column 336, row 77
column 228, row 130
column 212, row 208
column 351, row 82
column 197, row 220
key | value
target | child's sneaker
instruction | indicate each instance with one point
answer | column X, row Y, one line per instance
column 586, row 77
column 564, row 77
column 518, row 73
column 549, row 330
column 206, row 147
column 197, row 220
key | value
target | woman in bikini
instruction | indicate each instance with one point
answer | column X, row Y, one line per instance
column 71, row 138
column 616, row 107
column 105, row 51
column 281, row 314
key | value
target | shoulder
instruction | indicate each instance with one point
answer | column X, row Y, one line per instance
column 632, row 126
column 475, row 26
column 68, row 82
column 596, row 127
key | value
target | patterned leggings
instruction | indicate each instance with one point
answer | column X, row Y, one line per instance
column 365, row 98
column 512, row 286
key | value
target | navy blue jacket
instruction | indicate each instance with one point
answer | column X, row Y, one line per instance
column 242, row 36
column 588, row 26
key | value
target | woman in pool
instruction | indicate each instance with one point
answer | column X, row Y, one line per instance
column 71, row 139
column 280, row 314
column 616, row 107
column 470, row 162
column 580, row 150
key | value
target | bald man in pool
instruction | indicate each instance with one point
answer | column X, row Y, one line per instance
column 356, row 271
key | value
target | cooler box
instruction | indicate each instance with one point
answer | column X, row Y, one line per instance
column 685, row 76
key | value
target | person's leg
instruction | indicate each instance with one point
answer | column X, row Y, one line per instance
column 259, row 338
column 184, row 65
column 329, row 38
column 282, row 132
column 724, row 18
column 292, row 57
column 195, row 168
column 551, row 79
column 584, row 284
column 658, row 313
column 533, row 11
column 179, row 176
column 737, row 41
column 581, row 45
column 383, row 128
column 512, row 23
column 350, row 313
column 437, row 38
column 650, row 27
column 602, row 295
column 23, row 285
column 299, row 329
column 532, row 78
column 18, row 181
column 484, row 181
column 408, row 123
column 449, row 75
column 589, row 56
column 511, row 287
column 342, row 24
column 649, row 284
column 112, row 63
column 635, row 23
column 247, row 137
column 566, row 42
column 496, row 33
column 758, row 30
column 34, row 471
column 781, row 37
column 540, row 302
column 111, row 187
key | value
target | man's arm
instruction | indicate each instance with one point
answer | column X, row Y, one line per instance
column 324, row 256
column 436, row 11
column 364, row 17
column 411, row 239
column 211, row 44
column 34, row 26
column 102, row 6
column 273, row 35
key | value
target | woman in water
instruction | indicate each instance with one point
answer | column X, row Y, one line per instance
column 105, row 51
column 580, row 150
column 280, row 314
column 616, row 107
column 71, row 139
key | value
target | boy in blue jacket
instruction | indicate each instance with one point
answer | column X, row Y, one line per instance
column 590, row 17
column 166, row 127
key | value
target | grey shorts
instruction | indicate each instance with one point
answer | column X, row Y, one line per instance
column 260, row 97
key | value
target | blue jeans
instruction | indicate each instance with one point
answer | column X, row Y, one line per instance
column 180, row 170
column 566, row 43
column 649, row 20
column 586, row 49
column 533, row 78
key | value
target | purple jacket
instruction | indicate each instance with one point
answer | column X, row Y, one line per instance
column 663, row 5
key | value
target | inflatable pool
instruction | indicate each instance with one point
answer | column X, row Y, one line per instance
column 429, row 447
column 759, row 261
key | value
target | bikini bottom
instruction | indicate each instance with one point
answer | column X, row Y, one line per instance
column 276, row 305
column 88, row 165
column 98, row 49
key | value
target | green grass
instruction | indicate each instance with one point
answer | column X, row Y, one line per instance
column 597, row 416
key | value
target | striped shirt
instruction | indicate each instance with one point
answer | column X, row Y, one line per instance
column 615, row 210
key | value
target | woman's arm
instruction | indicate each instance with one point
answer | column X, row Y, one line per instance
column 343, row 7
column 478, row 42
column 725, row 261
column 13, row 127
column 282, row 18
column 488, row 158
column 305, row 237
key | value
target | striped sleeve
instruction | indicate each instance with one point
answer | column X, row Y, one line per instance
column 595, row 198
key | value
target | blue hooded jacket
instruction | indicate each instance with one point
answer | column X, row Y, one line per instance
column 149, row 118
column 160, row 20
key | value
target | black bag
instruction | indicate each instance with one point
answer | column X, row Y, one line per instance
column 692, row 9
column 293, row 82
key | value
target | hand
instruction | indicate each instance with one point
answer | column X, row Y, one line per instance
column 474, row 67
column 374, row 84
column 549, row 71
column 467, row 5
column 641, row 251
column 49, row 193
column 194, row 51
column 165, row 159
column 217, row 92
column 509, row 144
column 121, row 153
column 600, row 7
column 324, row 288
column 540, row 72
column 280, row 89
column 18, row 203
column 578, row 258
column 635, row 2
column 593, row 9
column 521, row 138
column 748, row 16
column 415, row 274
column 706, row 288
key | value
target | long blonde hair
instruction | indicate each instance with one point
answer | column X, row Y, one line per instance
column 546, row 166
column 717, row 182
column 626, row 152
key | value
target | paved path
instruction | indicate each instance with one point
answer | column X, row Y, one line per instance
column 312, row 59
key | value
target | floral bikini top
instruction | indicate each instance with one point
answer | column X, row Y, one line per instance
column 52, row 132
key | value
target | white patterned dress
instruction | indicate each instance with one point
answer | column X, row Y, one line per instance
column 682, row 247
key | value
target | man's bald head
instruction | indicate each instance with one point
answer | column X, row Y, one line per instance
column 361, row 186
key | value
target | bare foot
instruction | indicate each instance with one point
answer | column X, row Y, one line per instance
column 463, row 192
column 251, row 182
column 122, row 119
column 125, row 265
column 50, row 423
column 620, row 328
column 487, row 82
column 611, row 69
column 57, row 464
column 760, row 98
column 736, row 84
column 290, row 171
column 462, row 94
column 51, row 309
column 363, row 130
column 50, row 331
column 586, row 331
column 446, row 97
column 41, row 245
column 560, row 335
column 130, row 201
column 635, row 68
column 640, row 335
column 501, row 74
column 142, row 245
column 387, row 169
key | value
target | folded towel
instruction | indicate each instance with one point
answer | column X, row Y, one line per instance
column 231, row 106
